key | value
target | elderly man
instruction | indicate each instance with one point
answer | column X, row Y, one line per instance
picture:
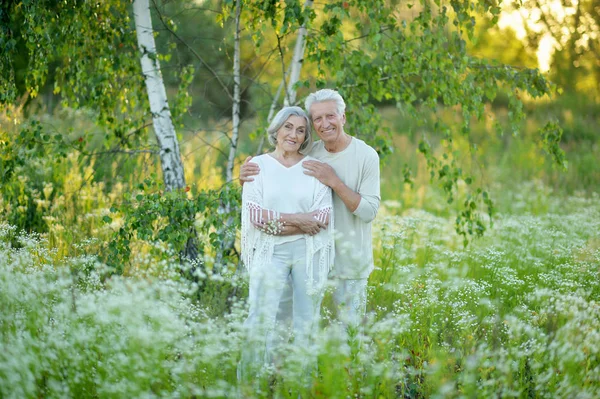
column 351, row 168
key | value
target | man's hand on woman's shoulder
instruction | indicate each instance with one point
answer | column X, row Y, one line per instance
column 247, row 170
column 322, row 172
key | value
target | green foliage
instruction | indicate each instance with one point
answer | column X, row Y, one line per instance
column 413, row 55
column 8, row 44
column 283, row 18
column 576, row 114
column 502, row 44
column 183, row 100
column 31, row 142
column 89, row 49
column 197, row 45
column 573, row 27
column 512, row 315
column 551, row 135
column 421, row 63
column 171, row 217
column 27, row 173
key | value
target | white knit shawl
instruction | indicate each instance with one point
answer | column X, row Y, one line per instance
column 258, row 246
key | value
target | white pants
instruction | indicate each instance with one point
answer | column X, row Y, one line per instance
column 267, row 284
column 350, row 298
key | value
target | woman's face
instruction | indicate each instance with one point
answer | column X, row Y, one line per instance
column 291, row 134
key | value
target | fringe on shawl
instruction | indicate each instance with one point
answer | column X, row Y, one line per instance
column 322, row 242
column 258, row 247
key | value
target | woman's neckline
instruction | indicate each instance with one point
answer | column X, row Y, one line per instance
column 270, row 155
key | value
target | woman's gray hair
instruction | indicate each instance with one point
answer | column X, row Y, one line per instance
column 325, row 95
column 281, row 117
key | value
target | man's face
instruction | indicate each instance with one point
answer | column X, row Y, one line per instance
column 328, row 124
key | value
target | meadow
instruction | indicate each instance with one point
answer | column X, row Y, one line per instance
column 515, row 314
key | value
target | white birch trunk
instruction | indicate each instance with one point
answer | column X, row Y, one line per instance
column 228, row 240
column 170, row 157
column 271, row 114
column 164, row 130
column 297, row 59
column 294, row 74
column 235, row 117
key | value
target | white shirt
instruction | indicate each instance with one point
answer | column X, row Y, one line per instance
column 281, row 189
column 358, row 168
column 286, row 189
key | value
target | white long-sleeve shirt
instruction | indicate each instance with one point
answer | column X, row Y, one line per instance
column 358, row 167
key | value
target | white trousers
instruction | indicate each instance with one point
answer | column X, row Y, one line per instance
column 267, row 285
column 350, row 298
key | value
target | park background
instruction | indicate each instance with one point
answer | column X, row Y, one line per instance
column 487, row 243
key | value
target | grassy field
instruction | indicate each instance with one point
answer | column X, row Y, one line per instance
column 516, row 314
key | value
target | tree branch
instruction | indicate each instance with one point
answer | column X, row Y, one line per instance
column 206, row 65
column 283, row 71
column 211, row 145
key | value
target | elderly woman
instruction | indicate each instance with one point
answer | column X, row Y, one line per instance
column 274, row 251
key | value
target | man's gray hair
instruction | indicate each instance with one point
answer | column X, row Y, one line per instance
column 281, row 117
column 325, row 95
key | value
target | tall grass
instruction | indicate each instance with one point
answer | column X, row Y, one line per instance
column 516, row 314
column 513, row 315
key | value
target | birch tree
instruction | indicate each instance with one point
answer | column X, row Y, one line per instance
column 288, row 82
column 293, row 72
column 411, row 55
column 225, row 207
column 415, row 56
column 296, row 64
column 164, row 130
column 235, row 114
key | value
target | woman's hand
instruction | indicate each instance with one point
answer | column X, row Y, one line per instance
column 305, row 223
column 308, row 223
